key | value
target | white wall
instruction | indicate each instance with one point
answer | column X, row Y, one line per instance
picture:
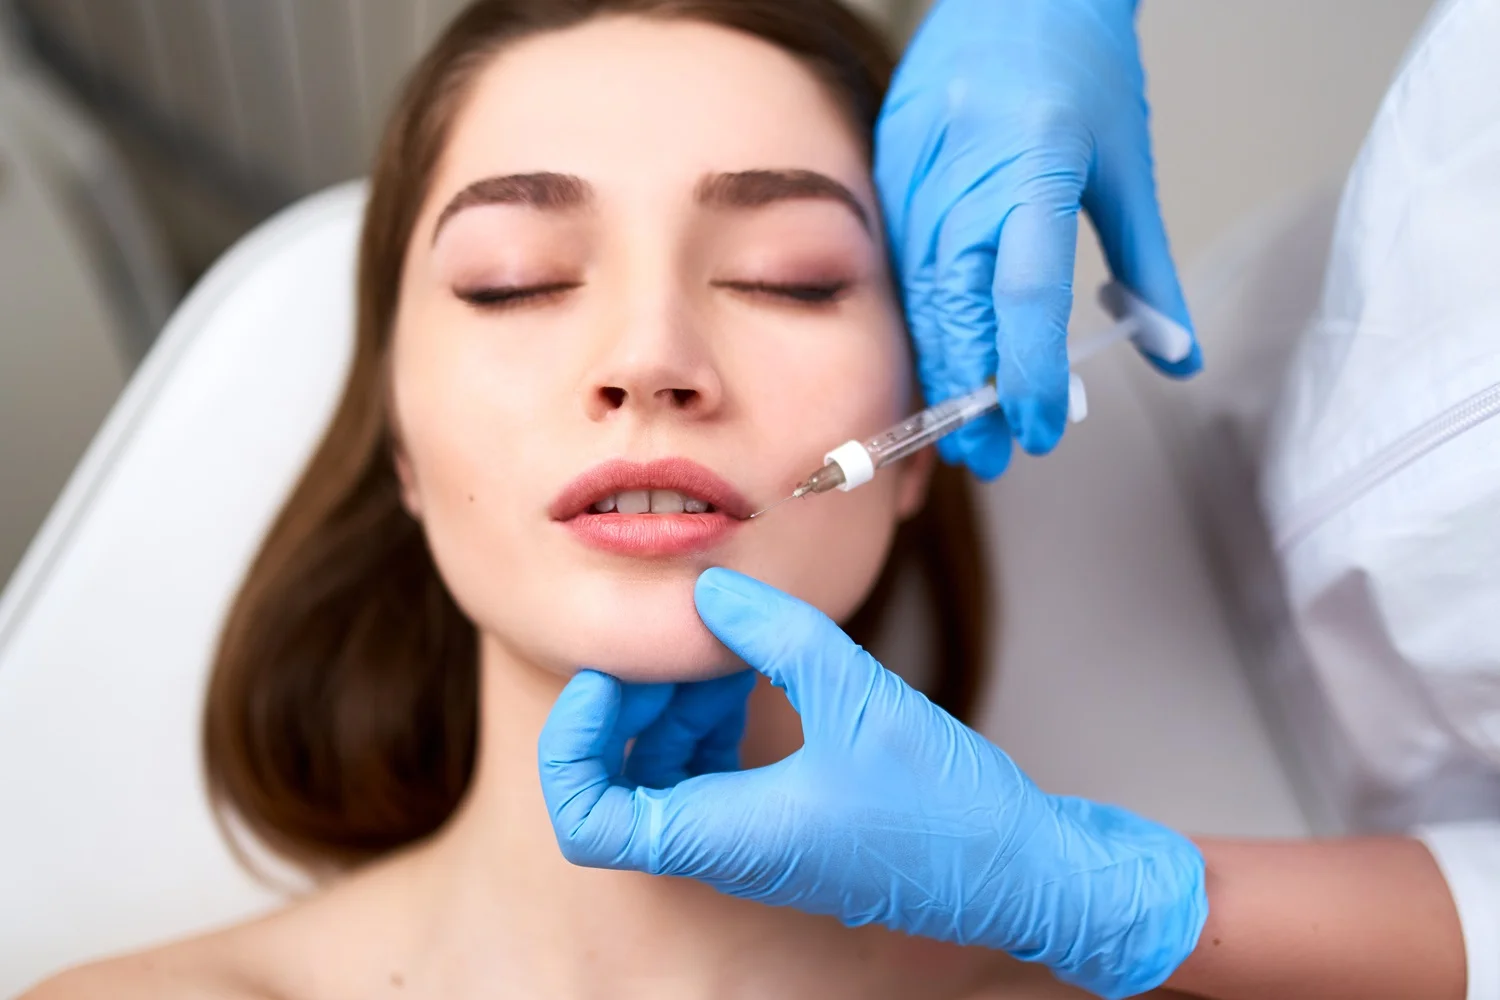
column 61, row 363
column 1253, row 101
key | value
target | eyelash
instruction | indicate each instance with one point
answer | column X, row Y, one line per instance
column 822, row 294
column 506, row 297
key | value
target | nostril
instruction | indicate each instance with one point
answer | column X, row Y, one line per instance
column 683, row 397
column 614, row 396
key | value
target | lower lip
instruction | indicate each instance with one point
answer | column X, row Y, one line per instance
column 646, row 535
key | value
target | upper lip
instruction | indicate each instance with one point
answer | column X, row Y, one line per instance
column 679, row 474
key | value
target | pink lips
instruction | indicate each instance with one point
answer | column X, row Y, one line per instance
column 648, row 535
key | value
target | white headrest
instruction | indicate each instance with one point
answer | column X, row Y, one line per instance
column 109, row 623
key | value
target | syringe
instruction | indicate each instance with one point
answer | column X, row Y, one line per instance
column 853, row 463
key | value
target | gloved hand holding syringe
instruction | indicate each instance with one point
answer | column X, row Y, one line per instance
column 854, row 462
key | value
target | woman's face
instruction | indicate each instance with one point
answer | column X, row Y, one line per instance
column 648, row 277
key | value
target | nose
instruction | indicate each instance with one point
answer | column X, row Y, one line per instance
column 656, row 362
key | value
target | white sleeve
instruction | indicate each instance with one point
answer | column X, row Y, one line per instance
column 1469, row 856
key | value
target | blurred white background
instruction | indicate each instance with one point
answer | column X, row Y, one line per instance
column 139, row 138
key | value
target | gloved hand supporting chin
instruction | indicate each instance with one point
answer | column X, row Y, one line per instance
column 892, row 812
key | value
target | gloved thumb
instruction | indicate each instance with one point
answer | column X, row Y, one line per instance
column 825, row 674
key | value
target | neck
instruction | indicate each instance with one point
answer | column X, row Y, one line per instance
column 502, row 895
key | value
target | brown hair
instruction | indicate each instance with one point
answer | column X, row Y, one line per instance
column 342, row 712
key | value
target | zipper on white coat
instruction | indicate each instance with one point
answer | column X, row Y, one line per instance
column 1394, row 457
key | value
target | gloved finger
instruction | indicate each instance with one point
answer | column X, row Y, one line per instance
column 719, row 750
column 963, row 308
column 1033, row 294
column 641, row 706
column 1127, row 215
column 597, row 822
column 695, row 828
column 916, row 256
column 952, row 358
column 709, row 827
column 926, row 335
column 827, row 677
column 945, row 199
column 983, row 445
column 906, row 144
column 698, row 731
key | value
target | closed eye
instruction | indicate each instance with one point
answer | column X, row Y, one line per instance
column 802, row 293
column 509, row 296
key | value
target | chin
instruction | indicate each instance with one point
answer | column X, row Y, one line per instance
column 662, row 652
column 639, row 630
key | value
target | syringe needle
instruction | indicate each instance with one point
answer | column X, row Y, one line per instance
column 771, row 507
column 800, row 491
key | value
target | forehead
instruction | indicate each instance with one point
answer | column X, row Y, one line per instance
column 634, row 101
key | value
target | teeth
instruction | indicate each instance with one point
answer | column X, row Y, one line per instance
column 666, row 502
column 651, row 502
column 633, row 501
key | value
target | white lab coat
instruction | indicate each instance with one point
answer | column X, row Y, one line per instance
column 1381, row 480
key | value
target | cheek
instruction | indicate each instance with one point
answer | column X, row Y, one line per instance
column 455, row 418
column 461, row 418
column 829, row 549
column 487, row 448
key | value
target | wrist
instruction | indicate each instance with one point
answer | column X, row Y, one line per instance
column 1169, row 921
column 1141, row 902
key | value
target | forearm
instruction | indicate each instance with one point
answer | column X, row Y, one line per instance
column 1366, row 918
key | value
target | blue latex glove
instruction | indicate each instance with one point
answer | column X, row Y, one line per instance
column 893, row 812
column 1005, row 117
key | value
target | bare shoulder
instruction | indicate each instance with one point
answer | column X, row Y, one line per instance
column 321, row 945
column 239, row 962
column 200, row 969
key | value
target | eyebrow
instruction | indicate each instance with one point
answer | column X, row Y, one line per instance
column 544, row 190
column 757, row 188
column 743, row 189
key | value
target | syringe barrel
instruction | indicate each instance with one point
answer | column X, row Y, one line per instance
column 922, row 429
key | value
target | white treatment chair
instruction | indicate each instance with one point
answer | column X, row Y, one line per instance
column 110, row 621
column 1117, row 677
